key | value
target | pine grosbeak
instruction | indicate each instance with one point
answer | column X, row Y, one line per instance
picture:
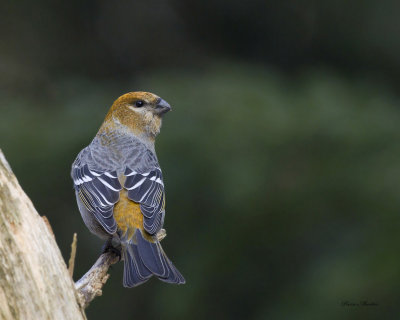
column 120, row 190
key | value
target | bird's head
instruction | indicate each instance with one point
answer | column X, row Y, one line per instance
column 140, row 112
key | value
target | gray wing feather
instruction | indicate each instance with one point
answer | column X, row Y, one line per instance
column 98, row 189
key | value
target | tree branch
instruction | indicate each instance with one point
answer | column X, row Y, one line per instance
column 71, row 262
column 90, row 285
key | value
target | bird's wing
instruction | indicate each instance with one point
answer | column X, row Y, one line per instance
column 147, row 188
column 98, row 189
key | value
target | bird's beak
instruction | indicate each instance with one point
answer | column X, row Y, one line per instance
column 162, row 107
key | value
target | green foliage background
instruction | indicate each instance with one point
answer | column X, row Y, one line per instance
column 280, row 158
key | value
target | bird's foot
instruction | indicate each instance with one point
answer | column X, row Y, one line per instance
column 108, row 247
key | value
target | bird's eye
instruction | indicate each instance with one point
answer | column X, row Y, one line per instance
column 139, row 103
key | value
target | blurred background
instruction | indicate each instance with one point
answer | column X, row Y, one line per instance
column 281, row 157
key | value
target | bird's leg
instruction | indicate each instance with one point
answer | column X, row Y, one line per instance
column 108, row 247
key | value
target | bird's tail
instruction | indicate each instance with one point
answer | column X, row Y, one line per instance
column 143, row 258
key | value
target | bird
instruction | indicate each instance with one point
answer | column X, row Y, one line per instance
column 119, row 187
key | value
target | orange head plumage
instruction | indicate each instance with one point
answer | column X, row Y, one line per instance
column 139, row 112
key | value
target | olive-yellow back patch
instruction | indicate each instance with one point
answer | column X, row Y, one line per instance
column 129, row 217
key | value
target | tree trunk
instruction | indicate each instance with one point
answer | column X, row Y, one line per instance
column 34, row 279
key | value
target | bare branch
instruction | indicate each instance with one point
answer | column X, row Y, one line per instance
column 71, row 262
column 90, row 285
column 161, row 234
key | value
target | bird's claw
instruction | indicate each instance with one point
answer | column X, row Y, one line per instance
column 108, row 247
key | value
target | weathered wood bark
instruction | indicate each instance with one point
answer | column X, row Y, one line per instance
column 90, row 285
column 34, row 280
